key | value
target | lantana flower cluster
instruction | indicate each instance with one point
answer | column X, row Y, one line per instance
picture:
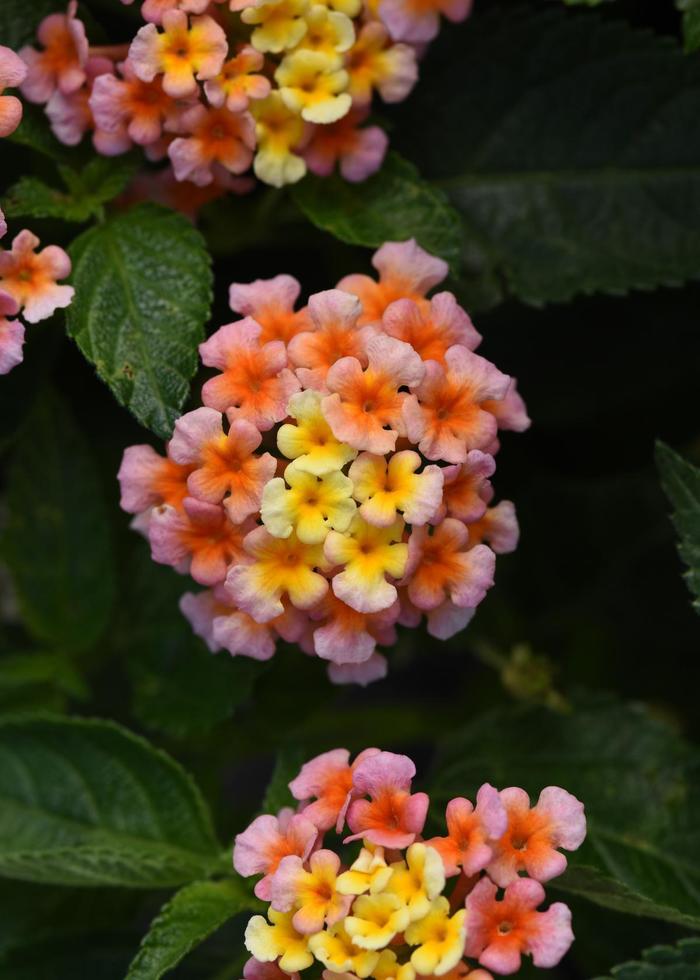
column 379, row 900
column 218, row 86
column 29, row 279
column 336, row 481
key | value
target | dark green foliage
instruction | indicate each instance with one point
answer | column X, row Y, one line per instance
column 143, row 291
column 681, row 962
column 681, row 481
column 55, row 499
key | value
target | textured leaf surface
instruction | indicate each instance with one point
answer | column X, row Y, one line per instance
column 87, row 803
column 681, row 481
column 57, row 542
column 393, row 205
column 567, row 144
column 180, row 688
column 680, row 962
column 143, row 290
column 637, row 779
column 192, row 915
column 87, row 191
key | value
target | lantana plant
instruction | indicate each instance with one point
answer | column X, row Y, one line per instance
column 336, row 481
column 379, row 900
column 217, row 87
column 29, row 279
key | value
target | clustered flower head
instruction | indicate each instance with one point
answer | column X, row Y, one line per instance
column 29, row 279
column 393, row 905
column 336, row 481
column 220, row 87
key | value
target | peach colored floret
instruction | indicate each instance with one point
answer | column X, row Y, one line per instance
column 60, row 64
column 13, row 71
column 392, row 817
column 31, row 277
column 226, row 467
column 444, row 415
column 365, row 406
column 534, row 835
column 334, row 334
column 271, row 302
column 431, row 329
column 441, row 566
column 260, row 848
column 500, row 932
column 255, row 383
column 470, row 829
column 216, row 138
column 199, row 539
column 406, row 271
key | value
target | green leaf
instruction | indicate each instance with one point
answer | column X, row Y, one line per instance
column 636, row 777
column 85, row 802
column 568, row 146
column 287, row 765
column 680, row 962
column 143, row 291
column 192, row 915
column 32, row 681
column 681, row 481
column 57, row 543
column 691, row 23
column 100, row 181
column 393, row 205
column 19, row 20
column 180, row 688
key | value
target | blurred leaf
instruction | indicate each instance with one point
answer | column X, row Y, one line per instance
column 143, row 291
column 100, row 181
column 568, row 144
column 636, row 777
column 32, row 681
column 193, row 914
column 681, row 481
column 20, row 19
column 691, row 23
column 57, row 542
column 105, row 957
column 32, row 914
column 34, row 131
column 180, row 688
column 393, row 205
column 680, row 962
column 288, row 763
column 87, row 803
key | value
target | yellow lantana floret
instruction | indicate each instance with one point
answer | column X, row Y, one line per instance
column 370, row 873
column 350, row 8
column 336, row 950
column 278, row 132
column 311, row 505
column 418, row 880
column 440, row 939
column 310, row 442
column 313, row 84
column 267, row 941
column 368, row 555
column 375, row 920
column 389, row 968
column 280, row 24
column 328, row 31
